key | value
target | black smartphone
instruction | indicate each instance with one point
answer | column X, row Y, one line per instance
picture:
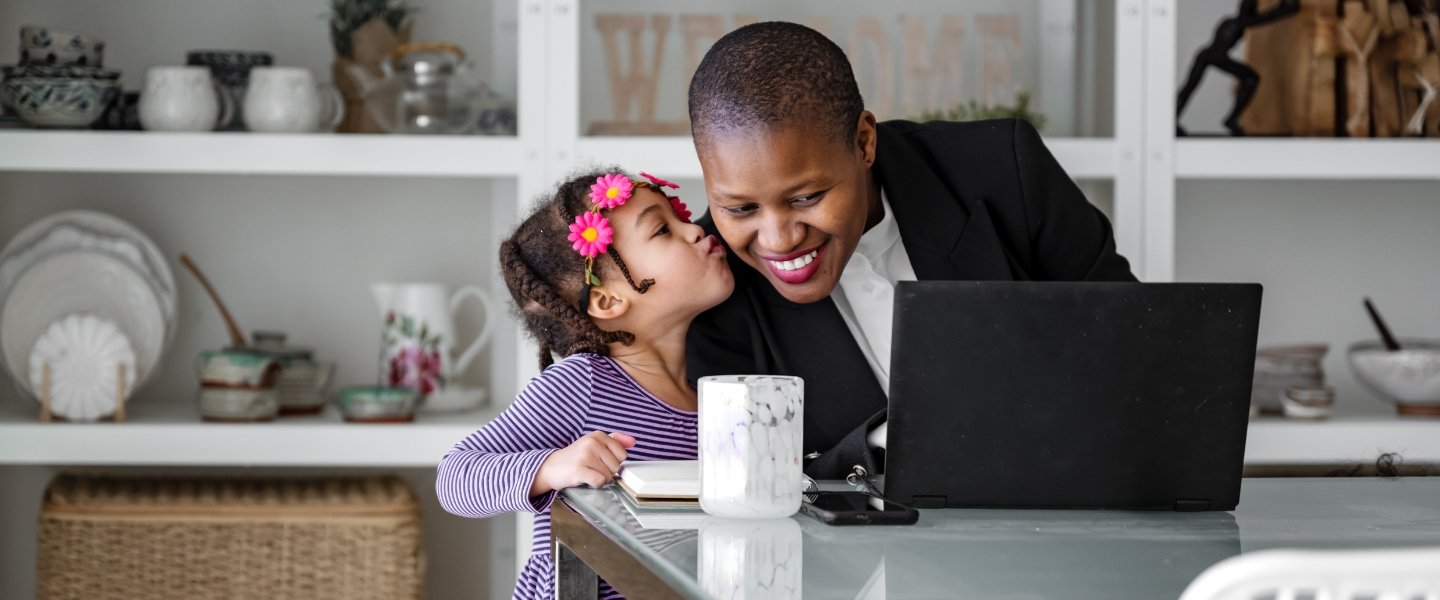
column 856, row 508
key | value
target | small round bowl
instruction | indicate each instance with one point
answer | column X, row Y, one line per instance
column 378, row 404
column 40, row 44
column 237, row 405
column 59, row 102
column 1308, row 402
column 1409, row 377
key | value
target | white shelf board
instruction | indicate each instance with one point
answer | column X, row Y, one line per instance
column 260, row 153
column 1307, row 158
column 173, row 435
column 674, row 157
column 1343, row 440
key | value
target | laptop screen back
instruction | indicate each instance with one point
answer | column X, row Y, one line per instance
column 1070, row 395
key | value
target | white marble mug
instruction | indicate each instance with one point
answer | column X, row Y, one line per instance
column 290, row 100
column 184, row 99
column 751, row 428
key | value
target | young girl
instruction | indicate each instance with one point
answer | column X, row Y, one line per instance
column 620, row 391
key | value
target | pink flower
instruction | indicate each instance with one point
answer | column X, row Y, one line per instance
column 658, row 181
column 680, row 209
column 611, row 190
column 591, row 234
column 396, row 372
column 415, row 368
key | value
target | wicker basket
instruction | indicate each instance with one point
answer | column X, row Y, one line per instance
column 105, row 537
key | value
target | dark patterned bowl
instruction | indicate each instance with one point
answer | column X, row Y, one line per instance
column 59, row 102
column 68, row 71
column 230, row 67
column 44, row 45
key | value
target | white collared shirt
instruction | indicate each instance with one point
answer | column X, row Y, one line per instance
column 866, row 292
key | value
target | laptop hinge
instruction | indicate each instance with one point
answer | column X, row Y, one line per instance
column 929, row 502
column 1191, row 504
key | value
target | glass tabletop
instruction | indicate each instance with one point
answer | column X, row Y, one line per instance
column 1012, row 553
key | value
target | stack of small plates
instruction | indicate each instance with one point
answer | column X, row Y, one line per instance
column 86, row 294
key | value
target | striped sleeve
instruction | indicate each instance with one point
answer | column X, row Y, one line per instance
column 492, row 470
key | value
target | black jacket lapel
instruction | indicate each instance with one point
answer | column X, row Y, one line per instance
column 820, row 350
column 946, row 235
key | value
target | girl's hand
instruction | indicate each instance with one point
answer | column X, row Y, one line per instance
column 592, row 460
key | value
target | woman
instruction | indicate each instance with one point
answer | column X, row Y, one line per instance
column 823, row 210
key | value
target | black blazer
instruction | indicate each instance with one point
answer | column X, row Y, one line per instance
column 979, row 200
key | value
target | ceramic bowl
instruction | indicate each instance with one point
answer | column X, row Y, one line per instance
column 377, row 404
column 59, row 101
column 123, row 114
column 1409, row 377
column 229, row 67
column 40, row 44
column 1308, row 402
column 237, row 368
column 1280, row 367
column 51, row 71
column 237, row 404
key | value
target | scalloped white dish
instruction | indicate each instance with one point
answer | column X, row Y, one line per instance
column 84, row 353
column 80, row 282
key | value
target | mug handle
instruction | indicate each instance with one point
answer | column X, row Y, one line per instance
column 336, row 110
column 485, row 331
column 227, row 105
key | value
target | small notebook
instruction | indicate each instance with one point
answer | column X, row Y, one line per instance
column 661, row 481
column 667, row 516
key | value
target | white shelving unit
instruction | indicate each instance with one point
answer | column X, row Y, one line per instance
column 259, row 154
column 1347, row 159
column 156, row 430
column 1142, row 160
column 1271, row 441
column 1348, row 441
column 675, row 156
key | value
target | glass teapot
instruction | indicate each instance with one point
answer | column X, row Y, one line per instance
column 425, row 87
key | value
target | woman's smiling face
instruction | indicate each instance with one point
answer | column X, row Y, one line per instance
column 792, row 204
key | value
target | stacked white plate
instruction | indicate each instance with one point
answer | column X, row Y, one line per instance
column 85, row 292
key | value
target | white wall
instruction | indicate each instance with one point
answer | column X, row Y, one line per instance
column 1318, row 247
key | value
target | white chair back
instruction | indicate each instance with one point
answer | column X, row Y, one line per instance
column 1383, row 574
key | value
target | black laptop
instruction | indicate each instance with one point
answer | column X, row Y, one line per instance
column 1070, row 395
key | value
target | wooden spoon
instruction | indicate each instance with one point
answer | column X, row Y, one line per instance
column 237, row 339
column 1391, row 343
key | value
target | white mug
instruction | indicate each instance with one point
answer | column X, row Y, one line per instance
column 184, row 99
column 289, row 100
column 751, row 428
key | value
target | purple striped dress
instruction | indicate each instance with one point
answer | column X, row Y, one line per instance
column 491, row 471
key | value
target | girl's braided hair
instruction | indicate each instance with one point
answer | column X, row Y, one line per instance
column 545, row 275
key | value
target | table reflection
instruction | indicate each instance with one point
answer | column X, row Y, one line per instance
column 947, row 554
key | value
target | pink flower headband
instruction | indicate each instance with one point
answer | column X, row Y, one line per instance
column 591, row 234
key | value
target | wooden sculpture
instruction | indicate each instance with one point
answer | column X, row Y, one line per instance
column 1362, row 70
